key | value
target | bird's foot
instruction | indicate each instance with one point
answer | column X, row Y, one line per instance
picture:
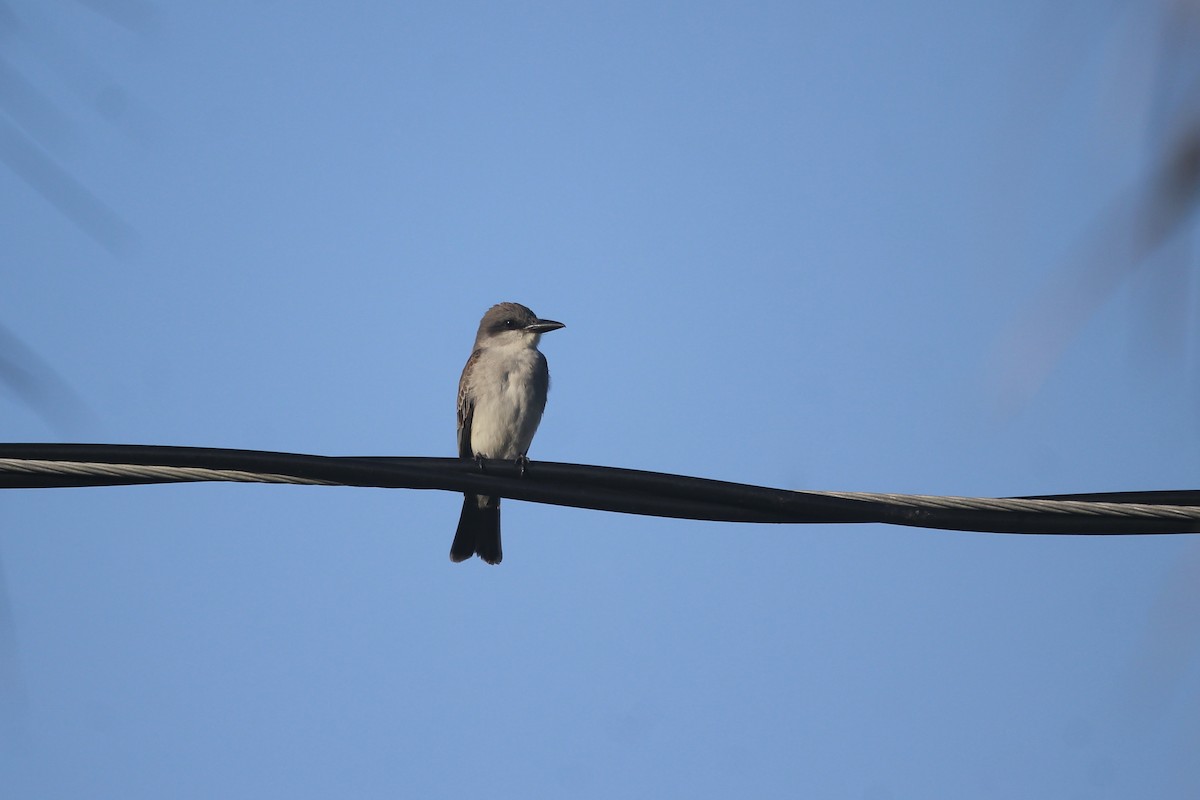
column 479, row 462
column 522, row 464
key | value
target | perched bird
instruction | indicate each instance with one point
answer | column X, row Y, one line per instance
column 501, row 396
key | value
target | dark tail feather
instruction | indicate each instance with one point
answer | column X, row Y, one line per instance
column 478, row 532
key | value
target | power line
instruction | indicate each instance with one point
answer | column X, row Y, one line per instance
column 25, row 466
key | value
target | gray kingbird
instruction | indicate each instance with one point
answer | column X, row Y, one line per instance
column 501, row 396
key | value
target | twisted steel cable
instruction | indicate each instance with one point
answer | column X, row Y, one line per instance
column 601, row 488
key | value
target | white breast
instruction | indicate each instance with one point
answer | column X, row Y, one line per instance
column 507, row 412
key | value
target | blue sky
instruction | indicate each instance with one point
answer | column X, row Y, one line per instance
column 789, row 242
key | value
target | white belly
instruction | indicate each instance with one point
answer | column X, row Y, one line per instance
column 506, row 411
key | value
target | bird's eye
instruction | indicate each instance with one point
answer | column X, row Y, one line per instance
column 510, row 323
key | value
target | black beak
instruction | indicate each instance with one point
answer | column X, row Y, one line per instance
column 544, row 326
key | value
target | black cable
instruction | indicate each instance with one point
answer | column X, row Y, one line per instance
column 632, row 491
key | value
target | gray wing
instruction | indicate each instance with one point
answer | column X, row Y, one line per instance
column 541, row 381
column 541, row 385
column 466, row 410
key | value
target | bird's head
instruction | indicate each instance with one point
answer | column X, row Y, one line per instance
column 512, row 324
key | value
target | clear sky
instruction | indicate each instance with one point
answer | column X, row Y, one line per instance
column 789, row 242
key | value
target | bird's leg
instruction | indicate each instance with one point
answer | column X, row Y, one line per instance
column 522, row 464
column 479, row 462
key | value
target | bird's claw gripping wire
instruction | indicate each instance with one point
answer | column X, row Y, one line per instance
column 522, row 462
